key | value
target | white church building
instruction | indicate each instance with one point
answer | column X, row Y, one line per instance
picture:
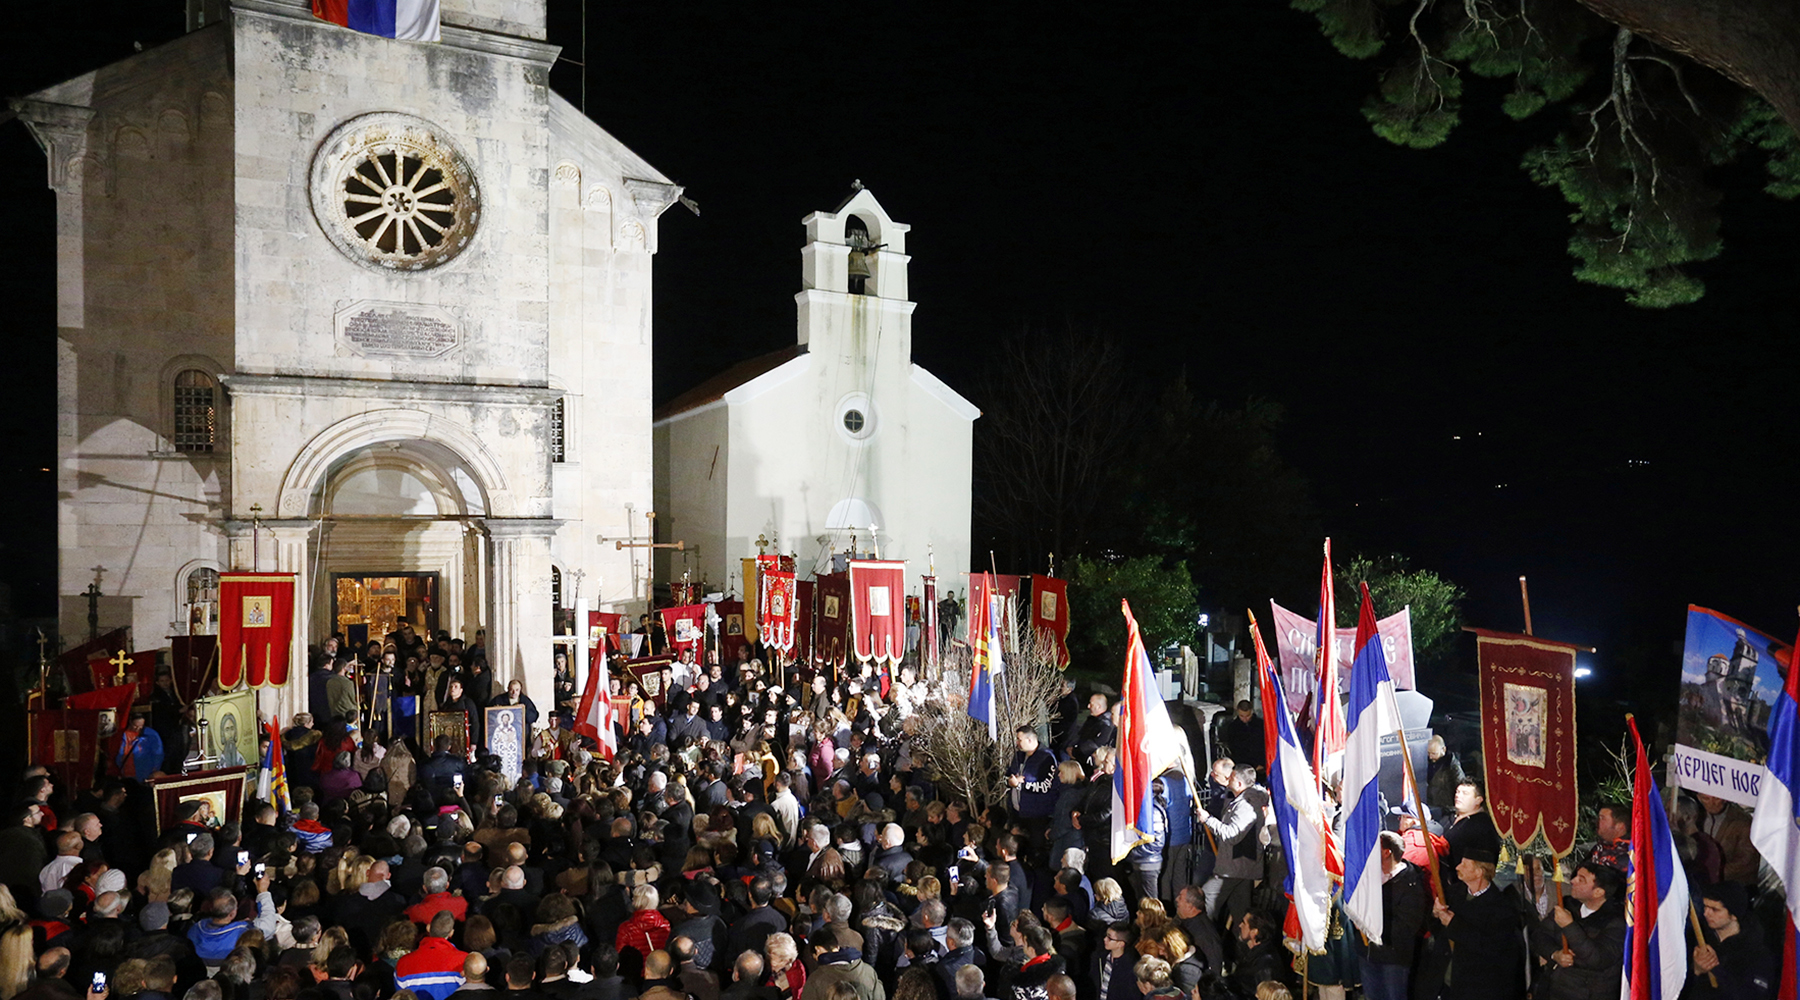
column 377, row 313
column 838, row 442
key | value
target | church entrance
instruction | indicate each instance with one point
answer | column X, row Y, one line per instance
column 367, row 606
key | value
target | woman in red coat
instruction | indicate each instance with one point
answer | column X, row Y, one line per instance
column 646, row 930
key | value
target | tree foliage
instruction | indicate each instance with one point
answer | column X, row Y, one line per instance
column 1436, row 603
column 1162, row 600
column 1644, row 124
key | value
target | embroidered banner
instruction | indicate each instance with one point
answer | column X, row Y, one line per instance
column 878, row 601
column 67, row 741
column 1050, row 613
column 1295, row 640
column 685, row 627
column 1527, row 688
column 775, row 609
column 256, row 628
column 805, row 600
column 929, row 652
column 1731, row 677
column 831, row 639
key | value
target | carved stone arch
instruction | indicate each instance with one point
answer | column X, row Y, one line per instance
column 131, row 141
column 599, row 199
column 88, row 171
column 314, row 462
column 215, row 110
column 173, row 121
column 632, row 235
column 568, row 172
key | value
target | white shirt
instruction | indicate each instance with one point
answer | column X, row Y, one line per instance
column 51, row 876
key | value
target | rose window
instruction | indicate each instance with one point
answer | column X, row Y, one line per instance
column 392, row 193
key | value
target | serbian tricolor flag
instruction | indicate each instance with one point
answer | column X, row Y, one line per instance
column 1656, row 894
column 594, row 717
column 1776, row 829
column 256, row 628
column 989, row 661
column 1371, row 718
column 1298, row 810
column 272, row 786
column 877, row 604
column 1328, row 716
column 410, row 20
column 1148, row 746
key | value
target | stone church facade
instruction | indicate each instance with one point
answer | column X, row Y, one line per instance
column 357, row 309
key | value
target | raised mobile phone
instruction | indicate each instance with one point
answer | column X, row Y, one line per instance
column 457, row 780
column 99, row 982
column 191, row 837
column 953, row 873
column 243, row 858
column 261, row 869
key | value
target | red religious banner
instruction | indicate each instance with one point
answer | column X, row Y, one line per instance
column 256, row 628
column 1050, row 613
column 74, row 662
column 775, row 610
column 191, row 658
column 877, row 600
column 1528, row 736
column 685, row 627
column 833, row 617
column 67, row 741
column 608, row 625
column 928, row 628
column 734, row 633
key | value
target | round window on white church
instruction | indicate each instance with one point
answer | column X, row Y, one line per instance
column 390, row 191
column 856, row 416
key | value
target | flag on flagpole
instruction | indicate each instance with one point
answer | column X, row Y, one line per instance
column 1328, row 715
column 1299, row 815
column 1147, row 743
column 594, row 715
column 1656, row 894
column 989, row 662
column 274, row 787
column 1371, row 717
column 1776, row 829
column 408, row 20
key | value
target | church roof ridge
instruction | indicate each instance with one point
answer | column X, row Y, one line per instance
column 714, row 389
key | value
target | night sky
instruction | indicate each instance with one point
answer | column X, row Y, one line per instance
column 1200, row 184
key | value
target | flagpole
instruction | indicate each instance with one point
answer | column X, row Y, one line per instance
column 1712, row 979
column 1412, row 781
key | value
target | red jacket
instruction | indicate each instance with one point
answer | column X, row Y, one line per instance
column 644, row 932
column 422, row 911
column 433, row 970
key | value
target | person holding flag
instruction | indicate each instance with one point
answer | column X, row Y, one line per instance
column 594, row 716
column 1148, row 746
column 1776, row 829
column 1299, row 811
column 989, row 662
column 272, row 783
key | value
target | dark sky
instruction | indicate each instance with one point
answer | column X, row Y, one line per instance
column 1197, row 181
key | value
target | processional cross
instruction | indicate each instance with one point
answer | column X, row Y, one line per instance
column 650, row 563
column 121, row 661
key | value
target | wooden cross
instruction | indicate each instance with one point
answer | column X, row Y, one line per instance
column 121, row 661
column 650, row 563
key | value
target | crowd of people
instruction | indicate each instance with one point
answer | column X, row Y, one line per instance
column 749, row 842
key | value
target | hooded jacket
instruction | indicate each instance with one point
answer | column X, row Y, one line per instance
column 213, row 942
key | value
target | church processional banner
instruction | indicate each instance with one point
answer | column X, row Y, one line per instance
column 1731, row 675
column 1295, row 642
column 833, row 617
column 775, row 609
column 877, row 600
column 685, row 627
column 66, row 741
column 1050, row 613
column 1527, row 688
column 256, row 628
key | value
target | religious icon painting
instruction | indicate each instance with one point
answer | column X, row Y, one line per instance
column 506, row 734
column 734, row 624
column 212, row 806
column 452, row 724
column 1525, row 715
column 109, row 722
column 1047, row 605
column 831, row 606
column 231, row 726
column 879, row 605
column 221, row 794
column 257, row 610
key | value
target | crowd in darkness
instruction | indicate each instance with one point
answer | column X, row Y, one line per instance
column 749, row 842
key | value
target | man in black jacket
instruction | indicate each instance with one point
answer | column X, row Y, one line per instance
column 1584, row 950
column 1739, row 964
column 1387, row 967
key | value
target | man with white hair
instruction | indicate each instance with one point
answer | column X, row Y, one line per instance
column 970, row 983
column 892, row 857
column 437, row 897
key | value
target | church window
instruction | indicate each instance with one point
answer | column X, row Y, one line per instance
column 196, row 411
column 555, row 594
column 853, row 421
column 557, row 440
column 203, row 601
column 390, row 191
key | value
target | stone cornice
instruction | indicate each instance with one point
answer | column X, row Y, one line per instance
column 382, row 389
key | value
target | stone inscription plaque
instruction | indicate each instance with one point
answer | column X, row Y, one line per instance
column 396, row 330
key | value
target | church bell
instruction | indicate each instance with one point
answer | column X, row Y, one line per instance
column 859, row 265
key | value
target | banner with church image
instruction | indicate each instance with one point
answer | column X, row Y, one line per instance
column 256, row 628
column 685, row 626
column 1730, row 676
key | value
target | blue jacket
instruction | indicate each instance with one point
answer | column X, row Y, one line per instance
column 213, row 943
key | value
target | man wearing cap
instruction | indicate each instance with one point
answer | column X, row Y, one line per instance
column 1584, row 950
column 1738, row 965
column 1487, row 957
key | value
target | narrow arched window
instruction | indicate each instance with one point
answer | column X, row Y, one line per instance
column 203, row 601
column 196, row 411
column 556, row 601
